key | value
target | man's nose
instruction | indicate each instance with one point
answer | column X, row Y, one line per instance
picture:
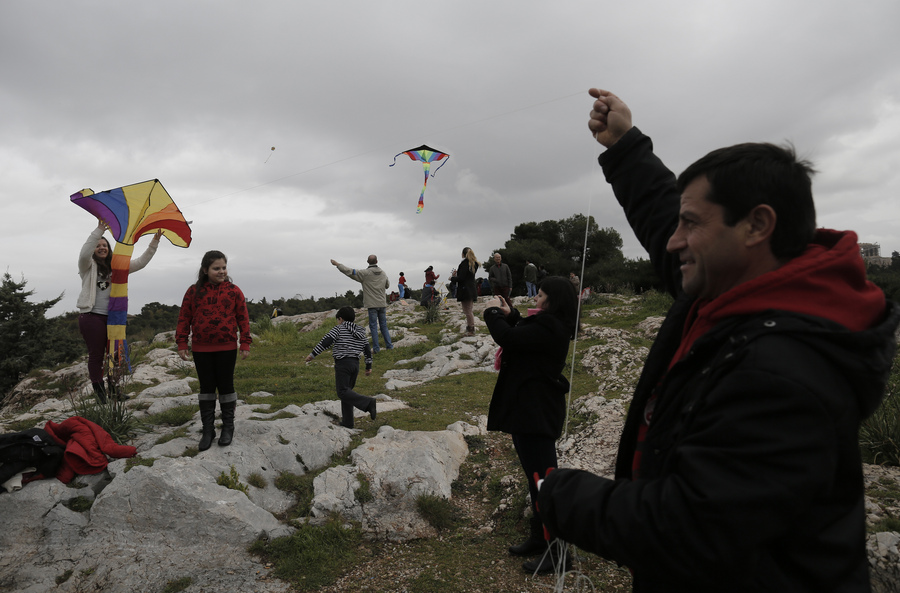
column 675, row 243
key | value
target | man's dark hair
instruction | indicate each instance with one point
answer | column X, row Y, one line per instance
column 346, row 313
column 744, row 176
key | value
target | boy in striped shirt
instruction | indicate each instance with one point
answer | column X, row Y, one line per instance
column 347, row 340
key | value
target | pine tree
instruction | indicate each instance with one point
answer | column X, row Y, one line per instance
column 25, row 333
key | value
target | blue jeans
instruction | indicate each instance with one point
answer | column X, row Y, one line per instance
column 532, row 289
column 377, row 316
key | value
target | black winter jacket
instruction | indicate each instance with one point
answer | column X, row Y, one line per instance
column 530, row 394
column 750, row 475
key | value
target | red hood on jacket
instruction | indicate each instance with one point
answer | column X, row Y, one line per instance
column 828, row 280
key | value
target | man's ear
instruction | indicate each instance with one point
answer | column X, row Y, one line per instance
column 760, row 224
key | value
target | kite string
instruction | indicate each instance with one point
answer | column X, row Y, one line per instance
column 587, row 226
column 581, row 582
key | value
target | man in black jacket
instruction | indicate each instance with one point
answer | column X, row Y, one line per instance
column 738, row 468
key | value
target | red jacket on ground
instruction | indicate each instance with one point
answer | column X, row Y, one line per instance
column 87, row 446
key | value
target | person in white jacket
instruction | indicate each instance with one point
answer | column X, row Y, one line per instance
column 95, row 269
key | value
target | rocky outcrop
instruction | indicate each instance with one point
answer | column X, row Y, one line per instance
column 169, row 517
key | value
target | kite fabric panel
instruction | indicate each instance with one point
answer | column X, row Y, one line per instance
column 425, row 155
column 131, row 212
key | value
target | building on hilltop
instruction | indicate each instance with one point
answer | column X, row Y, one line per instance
column 871, row 254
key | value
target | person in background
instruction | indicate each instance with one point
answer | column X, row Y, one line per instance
column 501, row 279
column 529, row 399
column 739, row 463
column 401, row 286
column 530, row 279
column 576, row 282
column 374, row 282
column 347, row 341
column 95, row 269
column 430, row 277
column 451, row 286
column 466, row 292
column 541, row 274
column 213, row 326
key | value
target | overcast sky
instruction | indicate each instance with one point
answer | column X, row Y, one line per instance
column 196, row 93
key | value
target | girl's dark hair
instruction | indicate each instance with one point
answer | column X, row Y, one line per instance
column 562, row 302
column 203, row 276
column 104, row 266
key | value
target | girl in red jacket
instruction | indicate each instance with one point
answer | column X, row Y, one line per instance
column 214, row 315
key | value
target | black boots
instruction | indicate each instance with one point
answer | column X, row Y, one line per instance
column 227, row 423
column 208, row 418
column 551, row 561
column 535, row 544
column 99, row 392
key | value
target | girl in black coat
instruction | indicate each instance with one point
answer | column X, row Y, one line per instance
column 529, row 400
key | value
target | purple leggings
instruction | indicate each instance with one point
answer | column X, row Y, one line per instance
column 93, row 330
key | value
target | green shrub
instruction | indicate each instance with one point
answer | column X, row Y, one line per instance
column 113, row 416
column 433, row 312
column 256, row 480
column 232, row 481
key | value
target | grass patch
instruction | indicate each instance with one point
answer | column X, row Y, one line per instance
column 437, row 511
column 363, row 494
column 312, row 557
column 257, row 480
column 178, row 433
column 79, row 504
column 138, row 460
column 177, row 585
column 173, row 416
column 885, row 524
column 64, row 577
column 301, row 486
column 879, row 434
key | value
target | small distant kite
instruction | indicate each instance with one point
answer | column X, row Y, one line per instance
column 131, row 212
column 425, row 155
column 270, row 156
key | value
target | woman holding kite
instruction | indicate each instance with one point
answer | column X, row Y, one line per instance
column 95, row 268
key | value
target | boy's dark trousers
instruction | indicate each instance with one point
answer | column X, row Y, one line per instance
column 345, row 372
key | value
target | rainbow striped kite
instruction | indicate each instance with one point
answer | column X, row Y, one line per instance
column 131, row 212
column 425, row 155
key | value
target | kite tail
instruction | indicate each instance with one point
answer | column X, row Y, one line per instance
column 421, row 206
column 441, row 165
column 117, row 317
